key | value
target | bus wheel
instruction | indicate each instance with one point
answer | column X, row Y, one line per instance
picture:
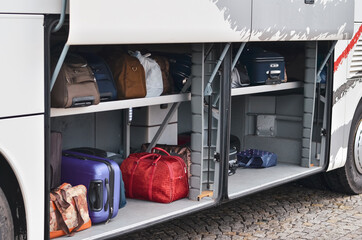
column 6, row 221
column 349, row 177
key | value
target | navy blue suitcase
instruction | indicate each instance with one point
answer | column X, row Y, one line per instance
column 101, row 176
column 263, row 67
column 103, row 74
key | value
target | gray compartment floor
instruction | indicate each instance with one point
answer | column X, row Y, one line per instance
column 137, row 213
column 246, row 181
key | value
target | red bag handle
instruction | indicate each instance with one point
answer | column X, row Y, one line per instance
column 149, row 155
column 161, row 150
column 130, row 185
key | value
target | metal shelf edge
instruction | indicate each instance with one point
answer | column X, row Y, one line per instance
column 121, row 104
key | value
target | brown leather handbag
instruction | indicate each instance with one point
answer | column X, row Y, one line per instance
column 75, row 85
column 166, row 77
column 129, row 76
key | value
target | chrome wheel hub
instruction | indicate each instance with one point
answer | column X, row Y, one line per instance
column 357, row 151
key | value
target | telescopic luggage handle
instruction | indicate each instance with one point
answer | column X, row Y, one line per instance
column 274, row 74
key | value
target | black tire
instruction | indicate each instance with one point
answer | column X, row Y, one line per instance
column 348, row 179
column 6, row 221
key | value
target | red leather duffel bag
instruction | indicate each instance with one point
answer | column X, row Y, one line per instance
column 155, row 177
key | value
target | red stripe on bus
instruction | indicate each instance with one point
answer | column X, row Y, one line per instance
column 348, row 49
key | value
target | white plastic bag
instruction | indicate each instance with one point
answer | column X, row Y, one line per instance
column 239, row 77
column 235, row 78
column 154, row 83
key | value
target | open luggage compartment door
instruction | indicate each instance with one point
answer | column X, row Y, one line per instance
column 161, row 21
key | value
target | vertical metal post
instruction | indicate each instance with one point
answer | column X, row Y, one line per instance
column 127, row 117
column 209, row 133
column 225, row 118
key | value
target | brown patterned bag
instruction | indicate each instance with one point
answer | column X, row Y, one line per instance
column 68, row 210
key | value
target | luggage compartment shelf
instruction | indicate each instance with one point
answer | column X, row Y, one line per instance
column 121, row 104
column 265, row 88
column 247, row 181
column 139, row 213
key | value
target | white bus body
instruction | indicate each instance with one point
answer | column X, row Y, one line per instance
column 316, row 123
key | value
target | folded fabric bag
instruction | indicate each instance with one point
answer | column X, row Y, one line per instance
column 254, row 158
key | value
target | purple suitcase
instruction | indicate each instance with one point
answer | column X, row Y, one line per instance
column 101, row 176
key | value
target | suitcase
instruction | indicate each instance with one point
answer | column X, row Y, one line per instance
column 155, row 177
column 109, row 155
column 263, row 67
column 75, row 85
column 101, row 176
column 103, row 74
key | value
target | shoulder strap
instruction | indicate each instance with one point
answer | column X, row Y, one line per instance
column 79, row 216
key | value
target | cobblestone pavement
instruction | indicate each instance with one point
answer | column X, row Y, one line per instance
column 286, row 212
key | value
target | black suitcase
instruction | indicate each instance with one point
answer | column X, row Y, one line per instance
column 263, row 67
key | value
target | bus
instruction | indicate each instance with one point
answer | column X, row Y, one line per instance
column 313, row 122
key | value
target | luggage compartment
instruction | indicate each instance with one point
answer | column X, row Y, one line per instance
column 287, row 119
column 280, row 118
column 109, row 126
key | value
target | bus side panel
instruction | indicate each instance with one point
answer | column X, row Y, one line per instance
column 22, row 144
column 357, row 11
column 347, row 92
column 276, row 20
column 167, row 21
column 353, row 88
column 30, row 6
column 22, row 65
